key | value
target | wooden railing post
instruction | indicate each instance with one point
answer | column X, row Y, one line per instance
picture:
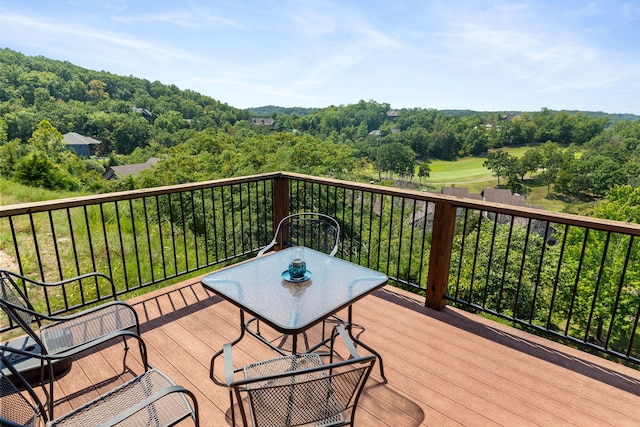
column 280, row 201
column 440, row 256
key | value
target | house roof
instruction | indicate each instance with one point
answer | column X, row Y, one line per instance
column 456, row 191
column 502, row 195
column 142, row 111
column 262, row 121
column 132, row 169
column 72, row 138
column 496, row 195
column 508, row 117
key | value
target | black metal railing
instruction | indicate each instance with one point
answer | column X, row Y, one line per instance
column 138, row 238
column 576, row 281
column 574, row 277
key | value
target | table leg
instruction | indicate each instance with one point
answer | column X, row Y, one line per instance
column 357, row 341
column 218, row 353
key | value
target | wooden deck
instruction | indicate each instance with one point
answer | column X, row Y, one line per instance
column 443, row 368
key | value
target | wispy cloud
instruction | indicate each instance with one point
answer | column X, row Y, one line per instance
column 444, row 53
column 189, row 18
column 180, row 18
column 101, row 39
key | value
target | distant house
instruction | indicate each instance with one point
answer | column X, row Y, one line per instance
column 144, row 112
column 509, row 117
column 263, row 121
column 117, row 172
column 392, row 114
column 84, row 146
column 504, row 196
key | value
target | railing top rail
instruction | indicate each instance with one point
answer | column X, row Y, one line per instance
column 523, row 211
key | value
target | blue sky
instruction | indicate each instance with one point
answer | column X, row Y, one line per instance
column 491, row 55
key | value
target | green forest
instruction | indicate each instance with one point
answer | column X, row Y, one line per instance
column 589, row 157
column 574, row 155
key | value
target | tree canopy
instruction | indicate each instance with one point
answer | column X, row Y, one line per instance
column 578, row 154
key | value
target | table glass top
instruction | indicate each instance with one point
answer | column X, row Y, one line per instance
column 258, row 287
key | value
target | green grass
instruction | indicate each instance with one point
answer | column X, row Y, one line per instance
column 470, row 173
column 466, row 170
column 14, row 193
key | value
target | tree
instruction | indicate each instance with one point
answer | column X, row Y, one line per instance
column 48, row 140
column 500, row 163
column 132, row 132
column 552, row 161
column 423, row 170
column 170, row 121
column 97, row 90
column 3, row 131
column 37, row 170
column 397, row 158
column 476, row 141
column 531, row 161
column 10, row 153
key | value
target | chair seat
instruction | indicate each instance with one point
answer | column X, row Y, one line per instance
column 92, row 325
column 168, row 410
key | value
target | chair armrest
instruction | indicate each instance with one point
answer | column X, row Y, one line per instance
column 150, row 400
column 64, row 282
column 43, row 357
column 90, row 310
column 228, row 364
column 347, row 341
column 266, row 248
column 78, row 349
column 117, row 334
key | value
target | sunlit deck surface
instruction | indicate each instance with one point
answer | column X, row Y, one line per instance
column 443, row 368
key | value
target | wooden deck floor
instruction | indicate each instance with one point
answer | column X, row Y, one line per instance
column 443, row 368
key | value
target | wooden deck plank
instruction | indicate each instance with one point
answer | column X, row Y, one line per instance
column 466, row 364
column 447, row 368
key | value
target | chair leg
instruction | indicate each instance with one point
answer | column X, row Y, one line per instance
column 126, row 351
column 233, row 412
column 50, row 397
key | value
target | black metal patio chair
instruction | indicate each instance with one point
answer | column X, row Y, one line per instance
column 149, row 399
column 312, row 230
column 59, row 337
column 298, row 389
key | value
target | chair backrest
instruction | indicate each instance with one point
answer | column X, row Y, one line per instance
column 17, row 306
column 313, row 230
column 17, row 409
column 326, row 395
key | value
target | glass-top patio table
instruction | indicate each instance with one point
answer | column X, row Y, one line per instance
column 257, row 287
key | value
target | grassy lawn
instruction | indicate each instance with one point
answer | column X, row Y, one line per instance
column 469, row 172
column 14, row 193
column 467, row 169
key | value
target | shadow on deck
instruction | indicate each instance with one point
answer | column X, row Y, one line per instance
column 443, row 368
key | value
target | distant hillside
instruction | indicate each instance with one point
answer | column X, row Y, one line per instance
column 611, row 117
column 269, row 110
